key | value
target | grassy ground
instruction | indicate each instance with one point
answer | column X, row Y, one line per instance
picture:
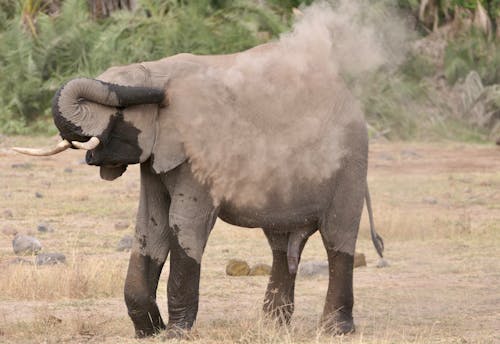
column 437, row 206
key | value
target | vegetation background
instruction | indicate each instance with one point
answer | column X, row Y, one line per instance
column 45, row 42
column 436, row 204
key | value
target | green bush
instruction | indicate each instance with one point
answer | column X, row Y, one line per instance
column 35, row 62
column 472, row 51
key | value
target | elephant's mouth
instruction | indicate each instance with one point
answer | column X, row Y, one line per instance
column 111, row 172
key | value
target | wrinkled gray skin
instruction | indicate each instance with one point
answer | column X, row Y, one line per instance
column 176, row 211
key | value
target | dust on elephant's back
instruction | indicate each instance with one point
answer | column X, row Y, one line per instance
column 276, row 116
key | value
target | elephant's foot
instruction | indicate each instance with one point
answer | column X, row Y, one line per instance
column 146, row 333
column 281, row 313
column 338, row 324
column 145, row 325
column 177, row 332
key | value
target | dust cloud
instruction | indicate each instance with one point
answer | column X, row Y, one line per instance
column 264, row 121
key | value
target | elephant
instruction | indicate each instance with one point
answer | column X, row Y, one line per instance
column 219, row 136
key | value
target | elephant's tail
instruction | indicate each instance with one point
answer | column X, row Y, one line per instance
column 377, row 240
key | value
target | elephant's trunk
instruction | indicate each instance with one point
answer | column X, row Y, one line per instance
column 82, row 107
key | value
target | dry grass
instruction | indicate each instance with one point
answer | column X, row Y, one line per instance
column 80, row 278
column 437, row 206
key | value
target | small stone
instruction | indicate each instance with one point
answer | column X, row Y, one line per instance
column 26, row 245
column 237, row 267
column 429, row 200
column 22, row 166
column 260, row 270
column 68, row 170
column 382, row 263
column 120, row 225
column 44, row 228
column 313, row 268
column 409, row 154
column 52, row 320
column 20, row 261
column 50, row 259
column 38, row 195
column 125, row 243
column 385, row 156
column 359, row 260
column 7, row 214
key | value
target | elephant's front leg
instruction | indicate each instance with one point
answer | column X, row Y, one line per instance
column 182, row 289
column 140, row 294
column 192, row 216
column 148, row 255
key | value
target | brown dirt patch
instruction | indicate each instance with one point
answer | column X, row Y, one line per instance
column 437, row 206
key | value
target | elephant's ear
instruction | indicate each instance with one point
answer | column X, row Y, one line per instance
column 168, row 150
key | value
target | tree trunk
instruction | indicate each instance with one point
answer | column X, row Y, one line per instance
column 103, row 8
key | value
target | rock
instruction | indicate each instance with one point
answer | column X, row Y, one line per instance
column 50, row 259
column 23, row 166
column 409, row 154
column 429, row 200
column 38, row 195
column 52, row 320
column 125, row 243
column 20, row 261
column 359, row 260
column 7, row 214
column 237, row 267
column 260, row 270
column 313, row 268
column 385, row 156
column 382, row 263
column 320, row 268
column 120, row 225
column 9, row 231
column 44, row 228
column 26, row 245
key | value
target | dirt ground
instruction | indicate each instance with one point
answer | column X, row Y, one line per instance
column 436, row 205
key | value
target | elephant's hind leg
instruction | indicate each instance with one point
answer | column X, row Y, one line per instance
column 339, row 232
column 279, row 298
column 148, row 255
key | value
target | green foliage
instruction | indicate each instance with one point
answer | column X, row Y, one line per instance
column 8, row 10
column 389, row 104
column 472, row 51
column 470, row 4
column 35, row 59
column 417, row 67
column 289, row 4
column 404, row 105
column 412, row 5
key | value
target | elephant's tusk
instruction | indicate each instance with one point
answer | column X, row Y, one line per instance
column 89, row 145
column 61, row 146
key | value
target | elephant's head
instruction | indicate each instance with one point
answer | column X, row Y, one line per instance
column 114, row 123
